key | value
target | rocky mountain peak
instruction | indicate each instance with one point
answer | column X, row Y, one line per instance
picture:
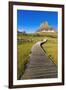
column 45, row 26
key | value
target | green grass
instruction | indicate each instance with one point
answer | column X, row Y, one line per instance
column 51, row 49
column 24, row 48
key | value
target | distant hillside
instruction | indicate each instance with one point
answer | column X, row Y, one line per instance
column 22, row 32
column 45, row 27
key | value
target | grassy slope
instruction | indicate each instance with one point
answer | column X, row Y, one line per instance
column 24, row 49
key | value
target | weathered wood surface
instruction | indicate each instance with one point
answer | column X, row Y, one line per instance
column 39, row 65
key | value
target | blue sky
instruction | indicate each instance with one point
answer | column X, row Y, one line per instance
column 29, row 21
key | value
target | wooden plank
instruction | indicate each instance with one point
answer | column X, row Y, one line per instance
column 39, row 65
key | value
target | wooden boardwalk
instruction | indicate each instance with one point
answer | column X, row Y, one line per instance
column 39, row 65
